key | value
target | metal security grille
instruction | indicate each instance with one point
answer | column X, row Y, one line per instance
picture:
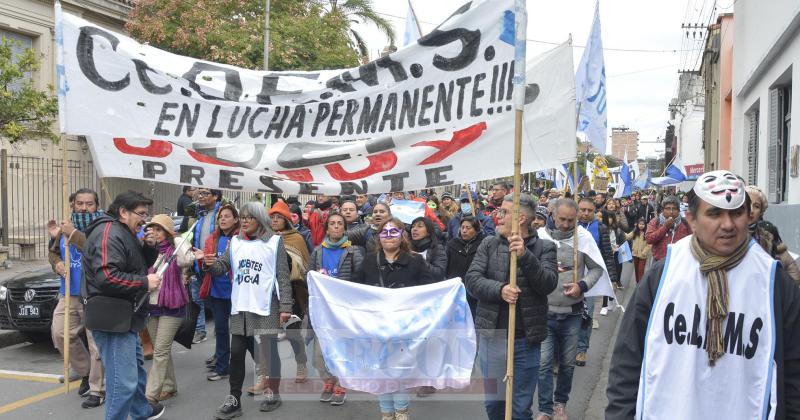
column 752, row 148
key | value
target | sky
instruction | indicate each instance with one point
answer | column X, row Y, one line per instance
column 640, row 84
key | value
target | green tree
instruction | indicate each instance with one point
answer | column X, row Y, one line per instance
column 303, row 36
column 356, row 10
column 25, row 112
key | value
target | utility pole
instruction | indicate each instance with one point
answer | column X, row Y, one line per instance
column 266, row 36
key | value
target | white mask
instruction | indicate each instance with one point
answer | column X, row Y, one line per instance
column 721, row 189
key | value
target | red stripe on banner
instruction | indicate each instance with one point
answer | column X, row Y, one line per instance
column 377, row 163
column 461, row 139
column 207, row 159
column 156, row 148
column 298, row 175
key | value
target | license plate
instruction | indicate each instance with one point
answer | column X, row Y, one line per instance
column 28, row 311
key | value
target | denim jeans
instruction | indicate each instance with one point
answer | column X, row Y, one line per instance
column 562, row 336
column 126, row 378
column 221, row 308
column 586, row 328
column 492, row 354
column 394, row 401
column 197, row 281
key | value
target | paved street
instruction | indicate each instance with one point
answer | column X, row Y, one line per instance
column 198, row 397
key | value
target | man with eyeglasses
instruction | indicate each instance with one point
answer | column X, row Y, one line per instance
column 115, row 264
column 208, row 201
column 488, row 281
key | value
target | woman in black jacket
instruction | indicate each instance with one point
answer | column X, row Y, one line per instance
column 393, row 265
column 460, row 252
column 425, row 242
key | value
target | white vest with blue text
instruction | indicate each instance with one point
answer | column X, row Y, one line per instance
column 676, row 379
column 254, row 266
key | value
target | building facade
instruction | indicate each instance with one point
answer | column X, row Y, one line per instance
column 766, row 61
column 717, row 72
column 623, row 139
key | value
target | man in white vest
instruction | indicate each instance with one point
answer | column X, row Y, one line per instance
column 713, row 330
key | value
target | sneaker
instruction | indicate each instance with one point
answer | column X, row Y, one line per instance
column 595, row 324
column 543, row 416
column 158, row 411
column 302, row 374
column 559, row 411
column 93, row 401
column 216, row 376
column 339, row 395
column 387, row 416
column 262, row 383
column 604, row 311
column 401, row 414
column 425, row 391
column 327, row 393
column 211, row 361
column 199, row 337
column 580, row 359
column 271, row 402
column 83, row 390
column 229, row 409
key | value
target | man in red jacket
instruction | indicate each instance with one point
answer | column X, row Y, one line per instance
column 667, row 228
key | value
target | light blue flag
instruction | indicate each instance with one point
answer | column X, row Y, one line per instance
column 643, row 180
column 590, row 88
column 412, row 32
column 625, row 176
column 624, row 253
column 675, row 170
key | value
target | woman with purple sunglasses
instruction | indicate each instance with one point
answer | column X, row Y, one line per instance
column 393, row 265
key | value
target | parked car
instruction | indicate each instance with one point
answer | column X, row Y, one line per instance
column 27, row 302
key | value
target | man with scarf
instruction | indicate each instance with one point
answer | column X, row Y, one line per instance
column 713, row 330
column 669, row 227
column 86, row 363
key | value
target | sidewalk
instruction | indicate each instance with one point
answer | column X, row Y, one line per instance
column 9, row 337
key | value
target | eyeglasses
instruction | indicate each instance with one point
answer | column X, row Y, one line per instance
column 390, row 233
column 203, row 193
column 142, row 215
column 501, row 213
column 247, row 217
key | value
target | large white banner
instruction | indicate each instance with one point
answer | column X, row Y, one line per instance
column 457, row 75
column 380, row 340
column 483, row 150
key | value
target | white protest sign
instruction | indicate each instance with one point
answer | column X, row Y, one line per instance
column 407, row 210
column 399, row 163
column 457, row 75
column 379, row 340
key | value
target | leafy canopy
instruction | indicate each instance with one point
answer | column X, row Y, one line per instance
column 25, row 112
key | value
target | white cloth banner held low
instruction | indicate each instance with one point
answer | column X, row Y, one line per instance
column 458, row 74
column 398, row 163
column 380, row 340
column 588, row 247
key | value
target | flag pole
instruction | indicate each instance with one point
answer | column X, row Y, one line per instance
column 521, row 20
column 64, row 189
column 469, row 195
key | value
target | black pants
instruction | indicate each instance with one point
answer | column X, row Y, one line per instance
column 239, row 346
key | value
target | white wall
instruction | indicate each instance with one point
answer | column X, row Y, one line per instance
column 758, row 26
column 690, row 135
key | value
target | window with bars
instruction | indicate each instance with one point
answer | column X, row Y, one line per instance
column 752, row 147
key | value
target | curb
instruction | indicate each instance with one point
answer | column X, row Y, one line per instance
column 11, row 338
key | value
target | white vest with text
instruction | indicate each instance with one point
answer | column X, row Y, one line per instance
column 676, row 379
column 254, row 266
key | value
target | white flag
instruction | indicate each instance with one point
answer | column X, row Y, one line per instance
column 588, row 247
column 590, row 88
column 379, row 340
column 412, row 32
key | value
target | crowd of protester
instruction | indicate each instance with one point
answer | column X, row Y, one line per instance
column 164, row 278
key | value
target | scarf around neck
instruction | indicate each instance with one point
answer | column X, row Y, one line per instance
column 172, row 294
column 343, row 242
column 82, row 220
column 715, row 269
column 421, row 245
